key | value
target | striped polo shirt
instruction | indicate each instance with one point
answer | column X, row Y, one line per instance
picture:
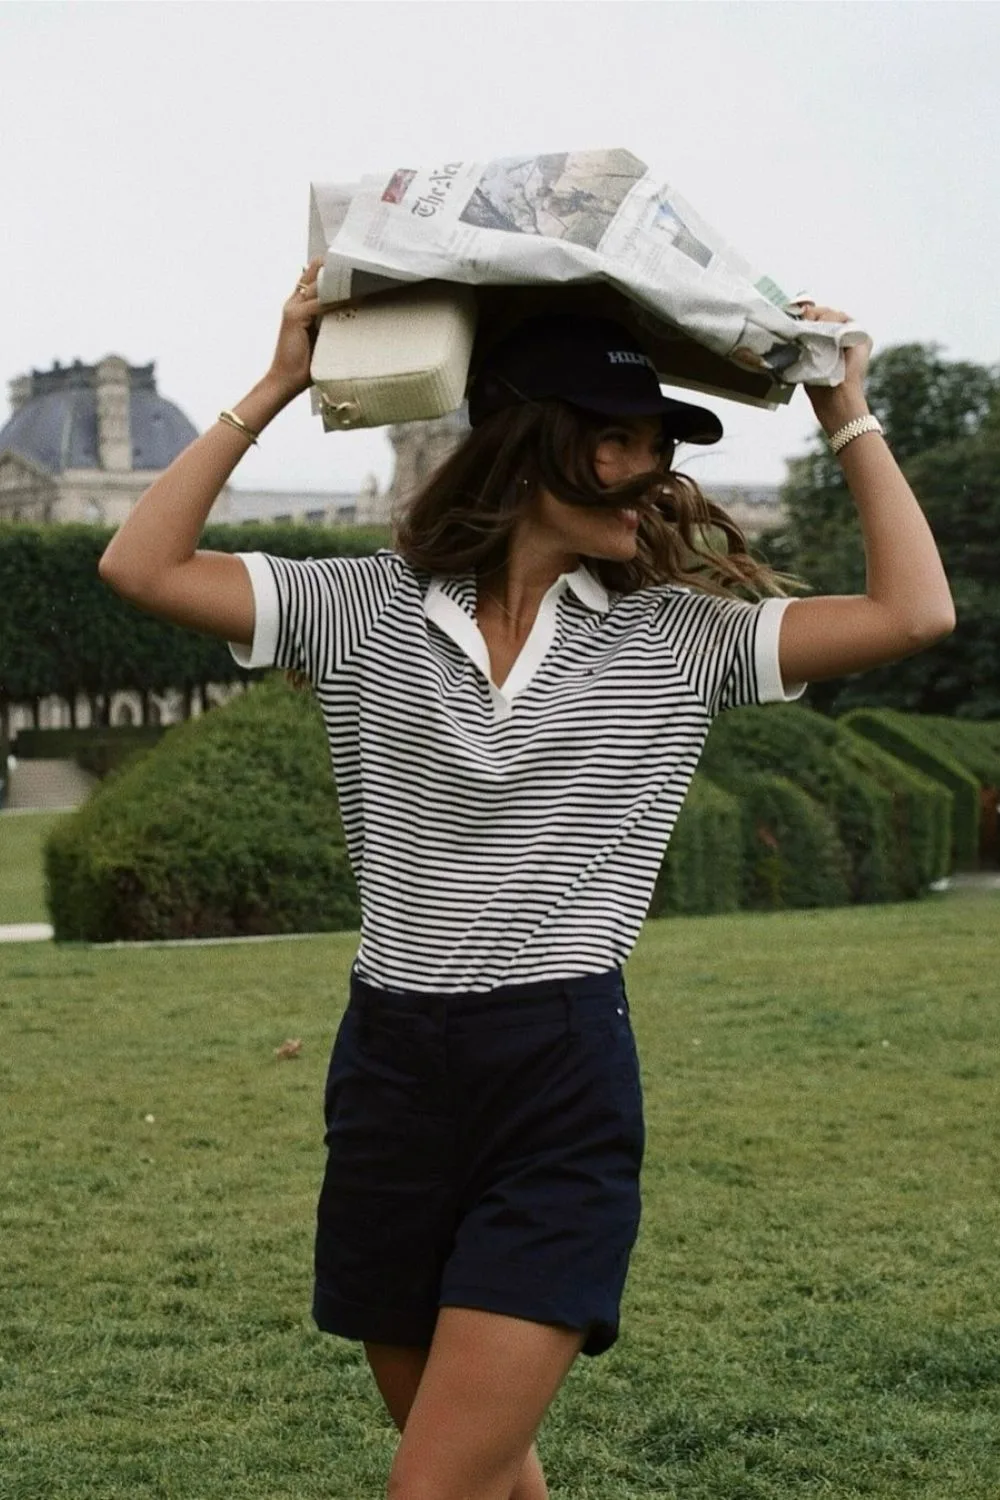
column 506, row 834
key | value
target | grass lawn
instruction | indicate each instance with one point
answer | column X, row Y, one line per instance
column 812, row 1305
column 22, row 885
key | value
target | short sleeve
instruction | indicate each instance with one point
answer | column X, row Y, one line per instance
column 728, row 649
column 313, row 615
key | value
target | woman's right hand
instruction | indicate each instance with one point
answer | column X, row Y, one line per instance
column 289, row 370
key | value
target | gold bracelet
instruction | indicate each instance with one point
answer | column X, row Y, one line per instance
column 232, row 420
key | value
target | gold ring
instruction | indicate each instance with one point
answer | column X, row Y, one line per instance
column 300, row 286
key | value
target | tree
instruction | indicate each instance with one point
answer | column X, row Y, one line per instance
column 942, row 421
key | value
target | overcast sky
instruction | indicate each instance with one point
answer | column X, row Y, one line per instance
column 156, row 161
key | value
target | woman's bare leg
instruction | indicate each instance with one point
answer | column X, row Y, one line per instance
column 398, row 1370
column 487, row 1382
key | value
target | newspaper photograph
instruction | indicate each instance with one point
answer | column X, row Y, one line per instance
column 579, row 218
column 570, row 196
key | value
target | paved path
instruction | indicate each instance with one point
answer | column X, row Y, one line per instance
column 50, row 784
column 26, row 932
column 980, row 880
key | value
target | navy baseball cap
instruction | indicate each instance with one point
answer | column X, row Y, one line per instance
column 592, row 363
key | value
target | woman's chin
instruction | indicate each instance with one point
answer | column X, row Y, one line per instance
column 614, row 549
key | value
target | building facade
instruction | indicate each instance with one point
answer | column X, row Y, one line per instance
column 84, row 441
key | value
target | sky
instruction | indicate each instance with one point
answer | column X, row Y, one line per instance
column 156, row 161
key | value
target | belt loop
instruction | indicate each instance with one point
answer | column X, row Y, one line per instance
column 356, row 1002
column 572, row 1018
column 364, row 1017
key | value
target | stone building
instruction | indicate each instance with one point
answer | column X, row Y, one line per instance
column 363, row 507
column 84, row 441
column 419, row 447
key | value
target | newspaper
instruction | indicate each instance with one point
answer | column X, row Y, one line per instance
column 599, row 224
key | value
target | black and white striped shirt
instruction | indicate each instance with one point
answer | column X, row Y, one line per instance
column 506, row 834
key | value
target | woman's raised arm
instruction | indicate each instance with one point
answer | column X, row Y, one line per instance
column 152, row 560
column 907, row 605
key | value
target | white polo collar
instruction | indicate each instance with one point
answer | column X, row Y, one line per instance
column 450, row 602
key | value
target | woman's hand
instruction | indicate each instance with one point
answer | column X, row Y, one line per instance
column 836, row 404
column 289, row 371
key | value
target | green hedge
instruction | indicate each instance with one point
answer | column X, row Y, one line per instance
column 65, row 632
column 703, row 868
column 975, row 744
column 920, row 846
column 792, row 854
column 229, row 826
column 98, row 750
column 913, row 740
column 820, row 757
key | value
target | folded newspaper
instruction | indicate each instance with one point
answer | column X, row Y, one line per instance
column 594, row 231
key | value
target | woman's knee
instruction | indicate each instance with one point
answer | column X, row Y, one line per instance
column 529, row 1484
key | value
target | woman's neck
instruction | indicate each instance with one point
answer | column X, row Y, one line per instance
column 518, row 586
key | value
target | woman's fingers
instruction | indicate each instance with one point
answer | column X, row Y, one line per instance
column 299, row 329
column 305, row 287
column 815, row 314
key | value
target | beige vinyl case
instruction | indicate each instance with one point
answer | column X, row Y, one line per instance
column 399, row 356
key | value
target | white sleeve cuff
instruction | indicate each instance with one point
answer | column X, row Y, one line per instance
column 265, row 601
column 770, row 685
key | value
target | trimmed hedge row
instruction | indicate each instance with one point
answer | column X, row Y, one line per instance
column 792, row 856
column 96, row 750
column 229, row 827
column 65, row 632
column 920, row 828
column 704, row 872
column 761, row 844
column 953, row 753
column 974, row 743
column 890, row 821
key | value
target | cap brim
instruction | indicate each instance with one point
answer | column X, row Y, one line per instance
column 687, row 423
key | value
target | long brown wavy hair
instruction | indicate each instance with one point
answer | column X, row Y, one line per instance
column 462, row 517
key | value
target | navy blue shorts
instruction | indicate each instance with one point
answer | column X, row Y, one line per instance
column 483, row 1151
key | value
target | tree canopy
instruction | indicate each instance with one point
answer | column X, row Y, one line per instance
column 942, row 421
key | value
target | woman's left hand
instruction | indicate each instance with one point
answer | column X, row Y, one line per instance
column 836, row 404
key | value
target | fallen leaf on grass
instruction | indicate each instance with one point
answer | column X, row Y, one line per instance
column 288, row 1049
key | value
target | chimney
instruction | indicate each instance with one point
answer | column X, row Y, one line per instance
column 20, row 390
column 114, row 435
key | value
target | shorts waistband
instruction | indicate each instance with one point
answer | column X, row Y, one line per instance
column 476, row 1001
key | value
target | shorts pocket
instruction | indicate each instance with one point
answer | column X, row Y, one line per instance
column 616, row 1030
column 620, row 1067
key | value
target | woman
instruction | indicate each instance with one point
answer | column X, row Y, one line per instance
column 516, row 700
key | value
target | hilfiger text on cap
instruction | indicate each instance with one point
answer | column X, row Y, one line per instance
column 628, row 357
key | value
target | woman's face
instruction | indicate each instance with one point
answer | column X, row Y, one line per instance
column 626, row 447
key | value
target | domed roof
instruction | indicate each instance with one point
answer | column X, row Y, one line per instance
column 55, row 421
